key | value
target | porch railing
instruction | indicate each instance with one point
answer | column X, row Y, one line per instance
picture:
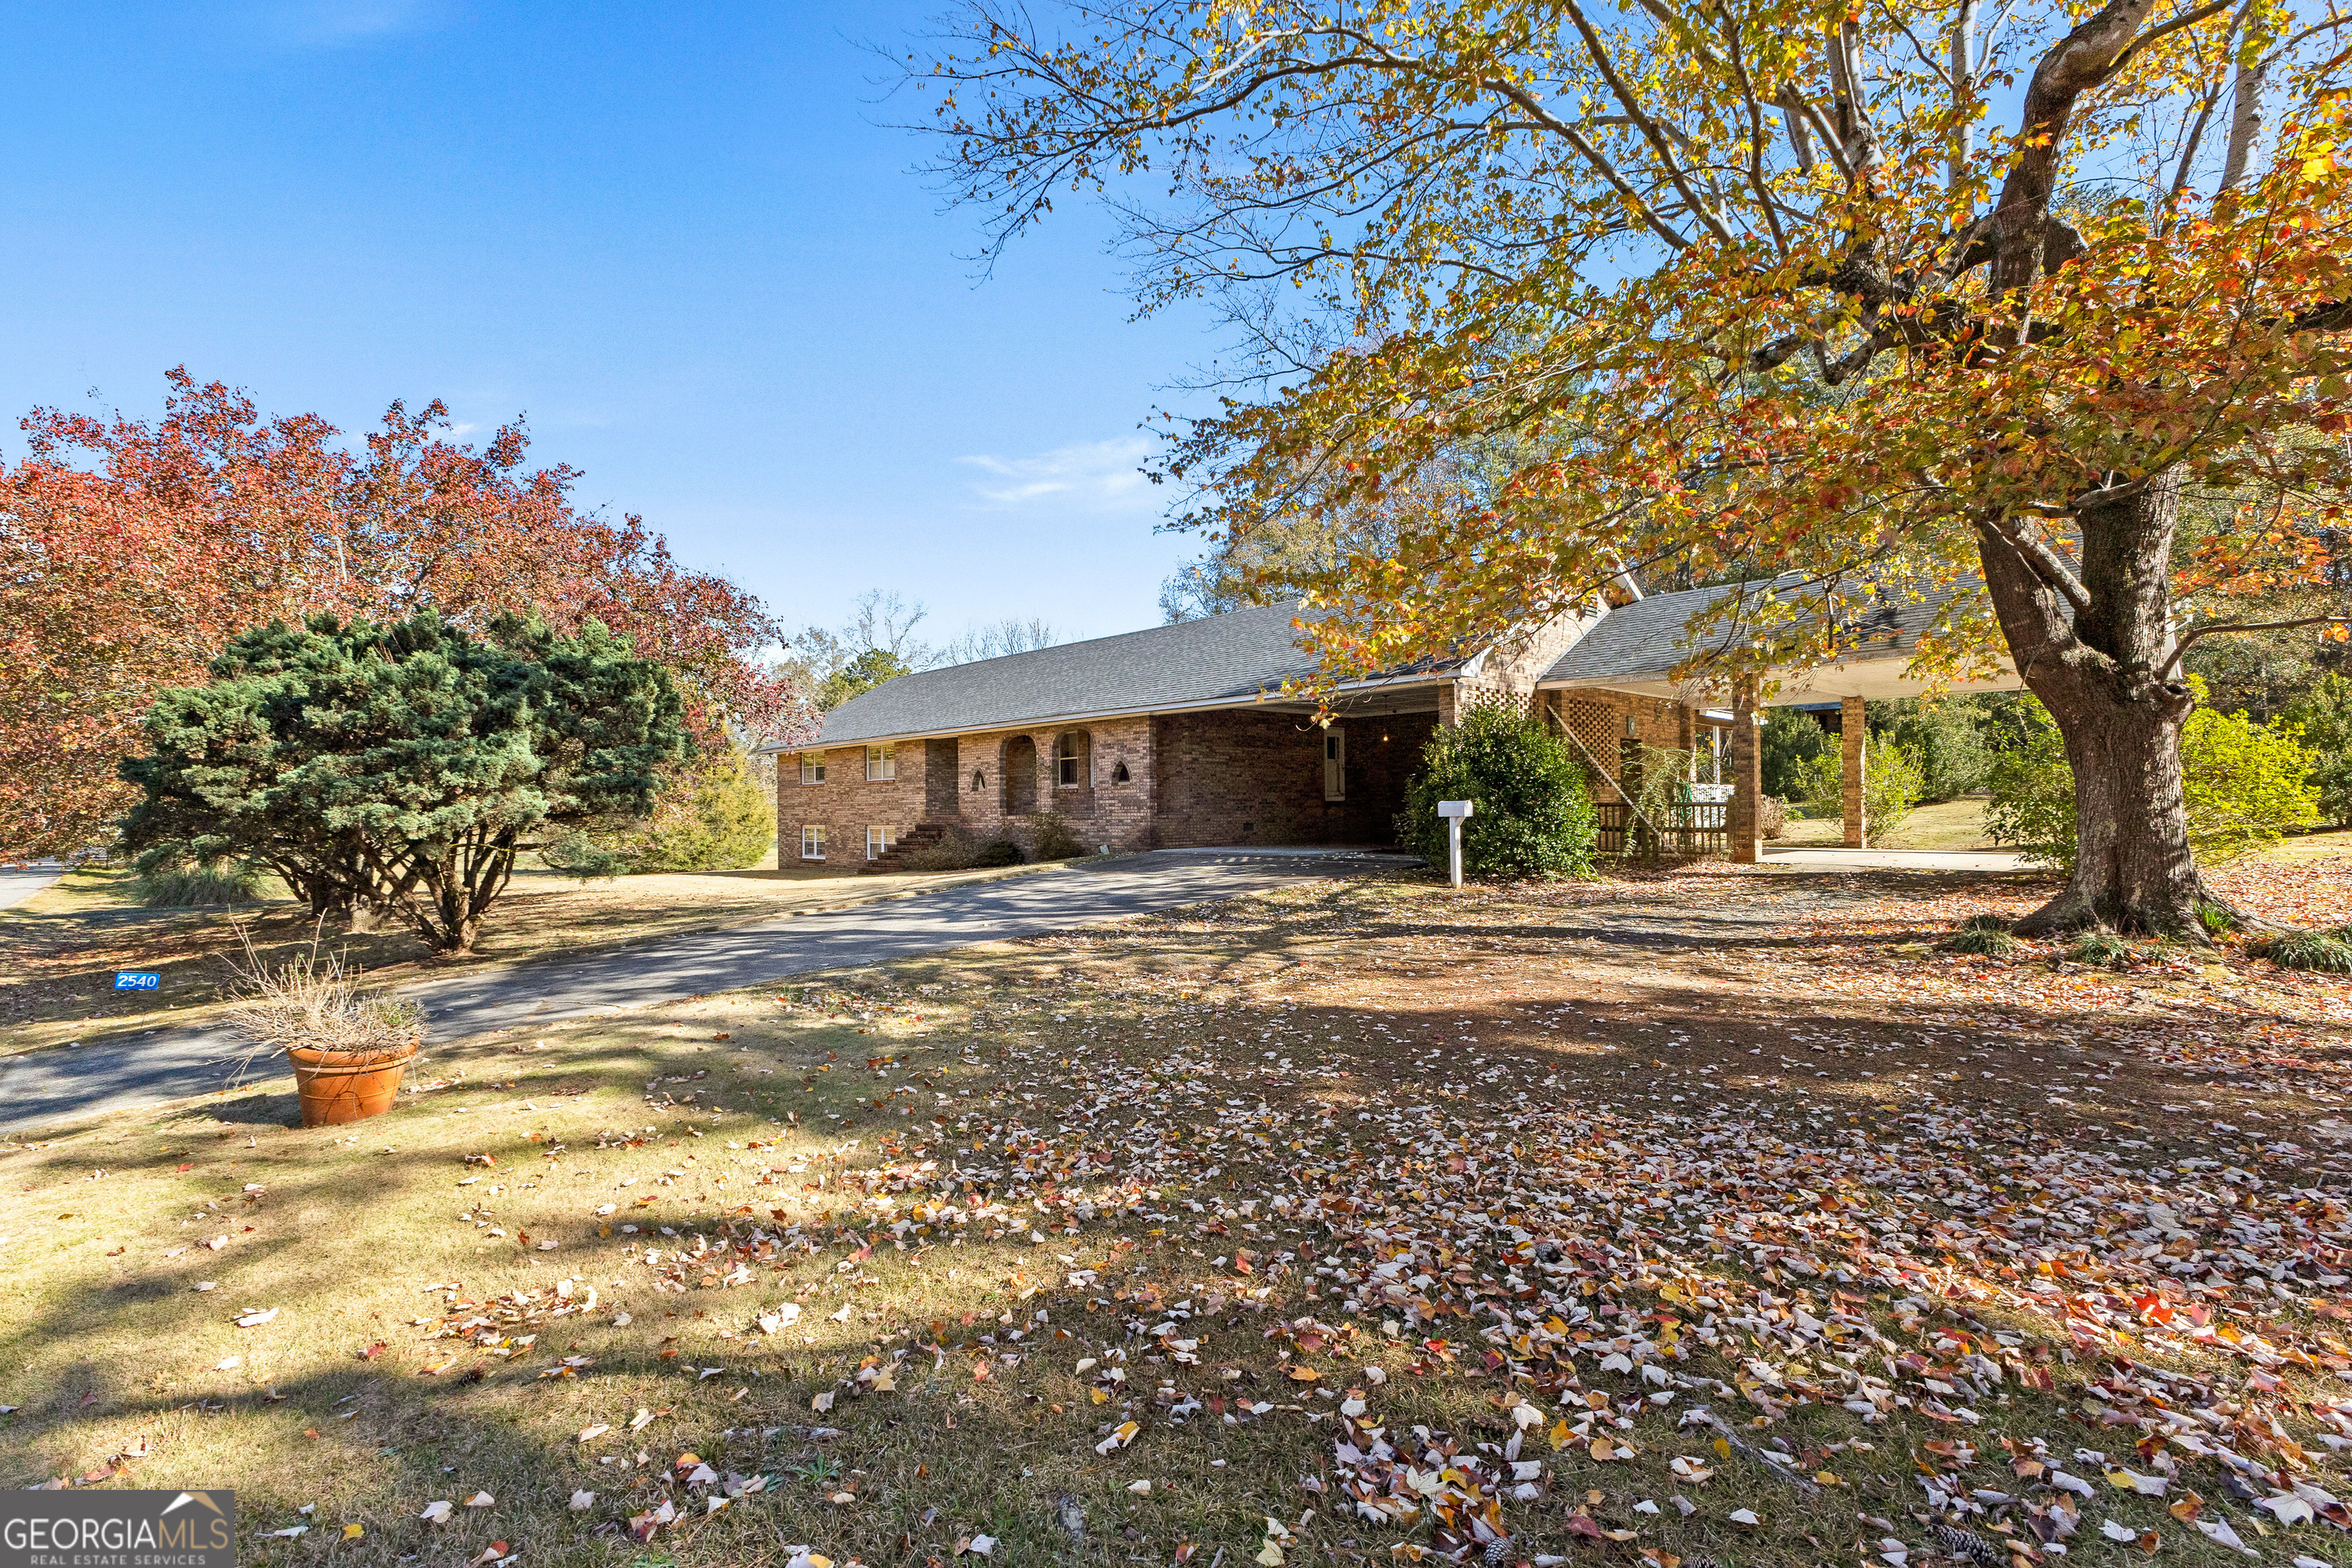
column 1684, row 830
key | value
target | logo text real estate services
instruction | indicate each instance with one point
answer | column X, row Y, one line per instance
column 118, row 1530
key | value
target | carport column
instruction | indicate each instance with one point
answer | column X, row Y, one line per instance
column 1852, row 730
column 1746, row 774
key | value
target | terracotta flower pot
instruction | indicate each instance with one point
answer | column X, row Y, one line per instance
column 346, row 1086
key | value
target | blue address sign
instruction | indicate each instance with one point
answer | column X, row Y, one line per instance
column 137, row 980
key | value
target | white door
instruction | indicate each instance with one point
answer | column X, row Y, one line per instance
column 1335, row 764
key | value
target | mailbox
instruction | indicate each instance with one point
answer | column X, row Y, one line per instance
column 1454, row 811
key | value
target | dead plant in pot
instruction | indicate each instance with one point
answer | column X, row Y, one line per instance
column 349, row 1047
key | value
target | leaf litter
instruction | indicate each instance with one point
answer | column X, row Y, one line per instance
column 1469, row 1157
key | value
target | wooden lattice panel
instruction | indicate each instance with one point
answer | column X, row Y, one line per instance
column 1595, row 724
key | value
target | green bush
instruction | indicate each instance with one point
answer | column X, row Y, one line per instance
column 1944, row 736
column 1818, row 781
column 2325, row 716
column 1055, row 838
column 711, row 816
column 1533, row 817
column 954, row 850
column 2032, row 805
column 1891, row 783
column 1660, row 784
column 958, row 850
column 1790, row 741
column 2245, row 783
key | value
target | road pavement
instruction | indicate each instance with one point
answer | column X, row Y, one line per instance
column 18, row 883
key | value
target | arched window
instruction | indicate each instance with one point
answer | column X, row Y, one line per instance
column 1070, row 771
column 978, row 780
column 1119, row 774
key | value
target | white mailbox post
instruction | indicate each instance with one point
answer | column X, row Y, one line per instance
column 1454, row 811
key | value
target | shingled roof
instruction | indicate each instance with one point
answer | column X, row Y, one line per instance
column 1647, row 639
column 1240, row 657
column 1245, row 657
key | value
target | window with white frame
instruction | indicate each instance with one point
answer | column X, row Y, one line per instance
column 812, row 767
column 881, row 763
column 813, row 841
column 880, row 841
column 1070, row 770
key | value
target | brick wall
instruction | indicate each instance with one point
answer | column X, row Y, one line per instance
column 1105, row 809
column 846, row 804
column 935, row 783
column 1245, row 777
column 1191, row 780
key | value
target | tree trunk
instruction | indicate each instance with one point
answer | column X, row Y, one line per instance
column 444, row 916
column 2134, row 870
column 2104, row 675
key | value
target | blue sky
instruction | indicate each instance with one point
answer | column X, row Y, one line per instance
column 680, row 239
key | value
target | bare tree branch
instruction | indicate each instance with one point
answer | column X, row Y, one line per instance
column 1599, row 53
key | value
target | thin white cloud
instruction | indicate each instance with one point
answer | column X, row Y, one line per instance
column 1097, row 476
column 327, row 24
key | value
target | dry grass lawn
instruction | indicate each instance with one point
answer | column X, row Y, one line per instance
column 1708, row 1217
column 1945, row 824
column 60, row 950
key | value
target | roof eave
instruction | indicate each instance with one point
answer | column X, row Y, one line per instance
column 1870, row 675
column 1099, row 716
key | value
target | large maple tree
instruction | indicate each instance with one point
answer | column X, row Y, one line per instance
column 1853, row 304
column 132, row 552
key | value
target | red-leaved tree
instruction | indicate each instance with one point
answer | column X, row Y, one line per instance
column 131, row 552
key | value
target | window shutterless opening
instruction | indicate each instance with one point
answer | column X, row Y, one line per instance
column 813, row 841
column 880, row 841
column 1070, row 770
column 881, row 763
column 812, row 767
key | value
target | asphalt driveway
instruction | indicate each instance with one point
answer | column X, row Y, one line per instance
column 42, row 1088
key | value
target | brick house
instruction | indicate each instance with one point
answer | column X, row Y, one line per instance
column 1182, row 736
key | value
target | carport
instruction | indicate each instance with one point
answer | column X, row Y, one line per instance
column 1644, row 652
